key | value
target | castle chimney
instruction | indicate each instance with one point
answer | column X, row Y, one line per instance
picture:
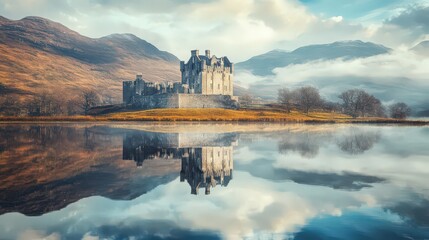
column 195, row 53
column 208, row 53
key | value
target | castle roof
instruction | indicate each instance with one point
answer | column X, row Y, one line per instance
column 214, row 60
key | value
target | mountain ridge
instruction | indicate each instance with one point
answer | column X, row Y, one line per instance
column 421, row 48
column 263, row 64
column 41, row 55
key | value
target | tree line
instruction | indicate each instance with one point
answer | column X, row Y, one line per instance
column 49, row 104
column 354, row 102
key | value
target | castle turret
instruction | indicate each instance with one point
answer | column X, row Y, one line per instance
column 139, row 85
column 208, row 53
column 127, row 91
column 195, row 53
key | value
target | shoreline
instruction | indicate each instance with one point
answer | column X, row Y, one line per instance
column 217, row 115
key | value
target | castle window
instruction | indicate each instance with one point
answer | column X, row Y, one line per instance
column 218, row 86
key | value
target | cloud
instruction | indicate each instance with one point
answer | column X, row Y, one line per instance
column 238, row 29
column 183, row 25
column 250, row 206
column 398, row 76
column 408, row 27
column 337, row 18
column 264, row 168
column 38, row 235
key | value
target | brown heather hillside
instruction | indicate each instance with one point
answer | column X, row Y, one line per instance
column 39, row 175
column 39, row 55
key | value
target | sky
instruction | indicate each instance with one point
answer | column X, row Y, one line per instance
column 239, row 29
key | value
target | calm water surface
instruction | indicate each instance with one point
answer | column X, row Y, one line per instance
column 213, row 181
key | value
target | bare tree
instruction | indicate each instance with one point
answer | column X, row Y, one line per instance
column 307, row 98
column 399, row 110
column 246, row 100
column 359, row 103
column 351, row 102
column 286, row 97
column 331, row 106
column 10, row 105
column 357, row 141
column 89, row 99
column 73, row 106
column 46, row 104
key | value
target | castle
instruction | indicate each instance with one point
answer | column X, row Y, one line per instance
column 207, row 82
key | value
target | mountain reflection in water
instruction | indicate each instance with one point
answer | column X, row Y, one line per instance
column 122, row 181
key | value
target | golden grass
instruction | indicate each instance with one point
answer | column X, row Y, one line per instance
column 215, row 114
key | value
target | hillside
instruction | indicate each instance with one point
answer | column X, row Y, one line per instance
column 91, row 166
column 422, row 48
column 40, row 55
column 265, row 63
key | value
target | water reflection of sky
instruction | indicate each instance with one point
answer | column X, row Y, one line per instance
column 350, row 182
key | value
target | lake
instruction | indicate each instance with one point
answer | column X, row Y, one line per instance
column 213, row 181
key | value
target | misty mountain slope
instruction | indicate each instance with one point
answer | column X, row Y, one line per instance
column 39, row 55
column 422, row 48
column 396, row 76
column 264, row 64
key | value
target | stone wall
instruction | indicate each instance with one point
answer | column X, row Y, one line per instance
column 157, row 101
column 185, row 101
column 206, row 101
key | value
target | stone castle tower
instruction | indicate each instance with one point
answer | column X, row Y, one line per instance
column 209, row 75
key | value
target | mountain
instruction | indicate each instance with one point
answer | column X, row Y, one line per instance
column 91, row 165
column 40, row 55
column 264, row 64
column 422, row 48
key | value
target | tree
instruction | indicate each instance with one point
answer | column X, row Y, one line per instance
column 331, row 106
column 89, row 99
column 246, row 100
column 46, row 104
column 286, row 97
column 73, row 106
column 399, row 110
column 307, row 98
column 10, row 105
column 359, row 103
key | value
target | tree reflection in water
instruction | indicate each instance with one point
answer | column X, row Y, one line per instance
column 353, row 141
column 357, row 141
column 307, row 144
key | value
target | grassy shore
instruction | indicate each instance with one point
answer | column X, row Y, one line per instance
column 218, row 115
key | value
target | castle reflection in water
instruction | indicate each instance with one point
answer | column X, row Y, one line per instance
column 206, row 159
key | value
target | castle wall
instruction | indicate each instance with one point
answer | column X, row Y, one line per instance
column 185, row 101
column 206, row 101
column 157, row 101
column 207, row 82
column 217, row 81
